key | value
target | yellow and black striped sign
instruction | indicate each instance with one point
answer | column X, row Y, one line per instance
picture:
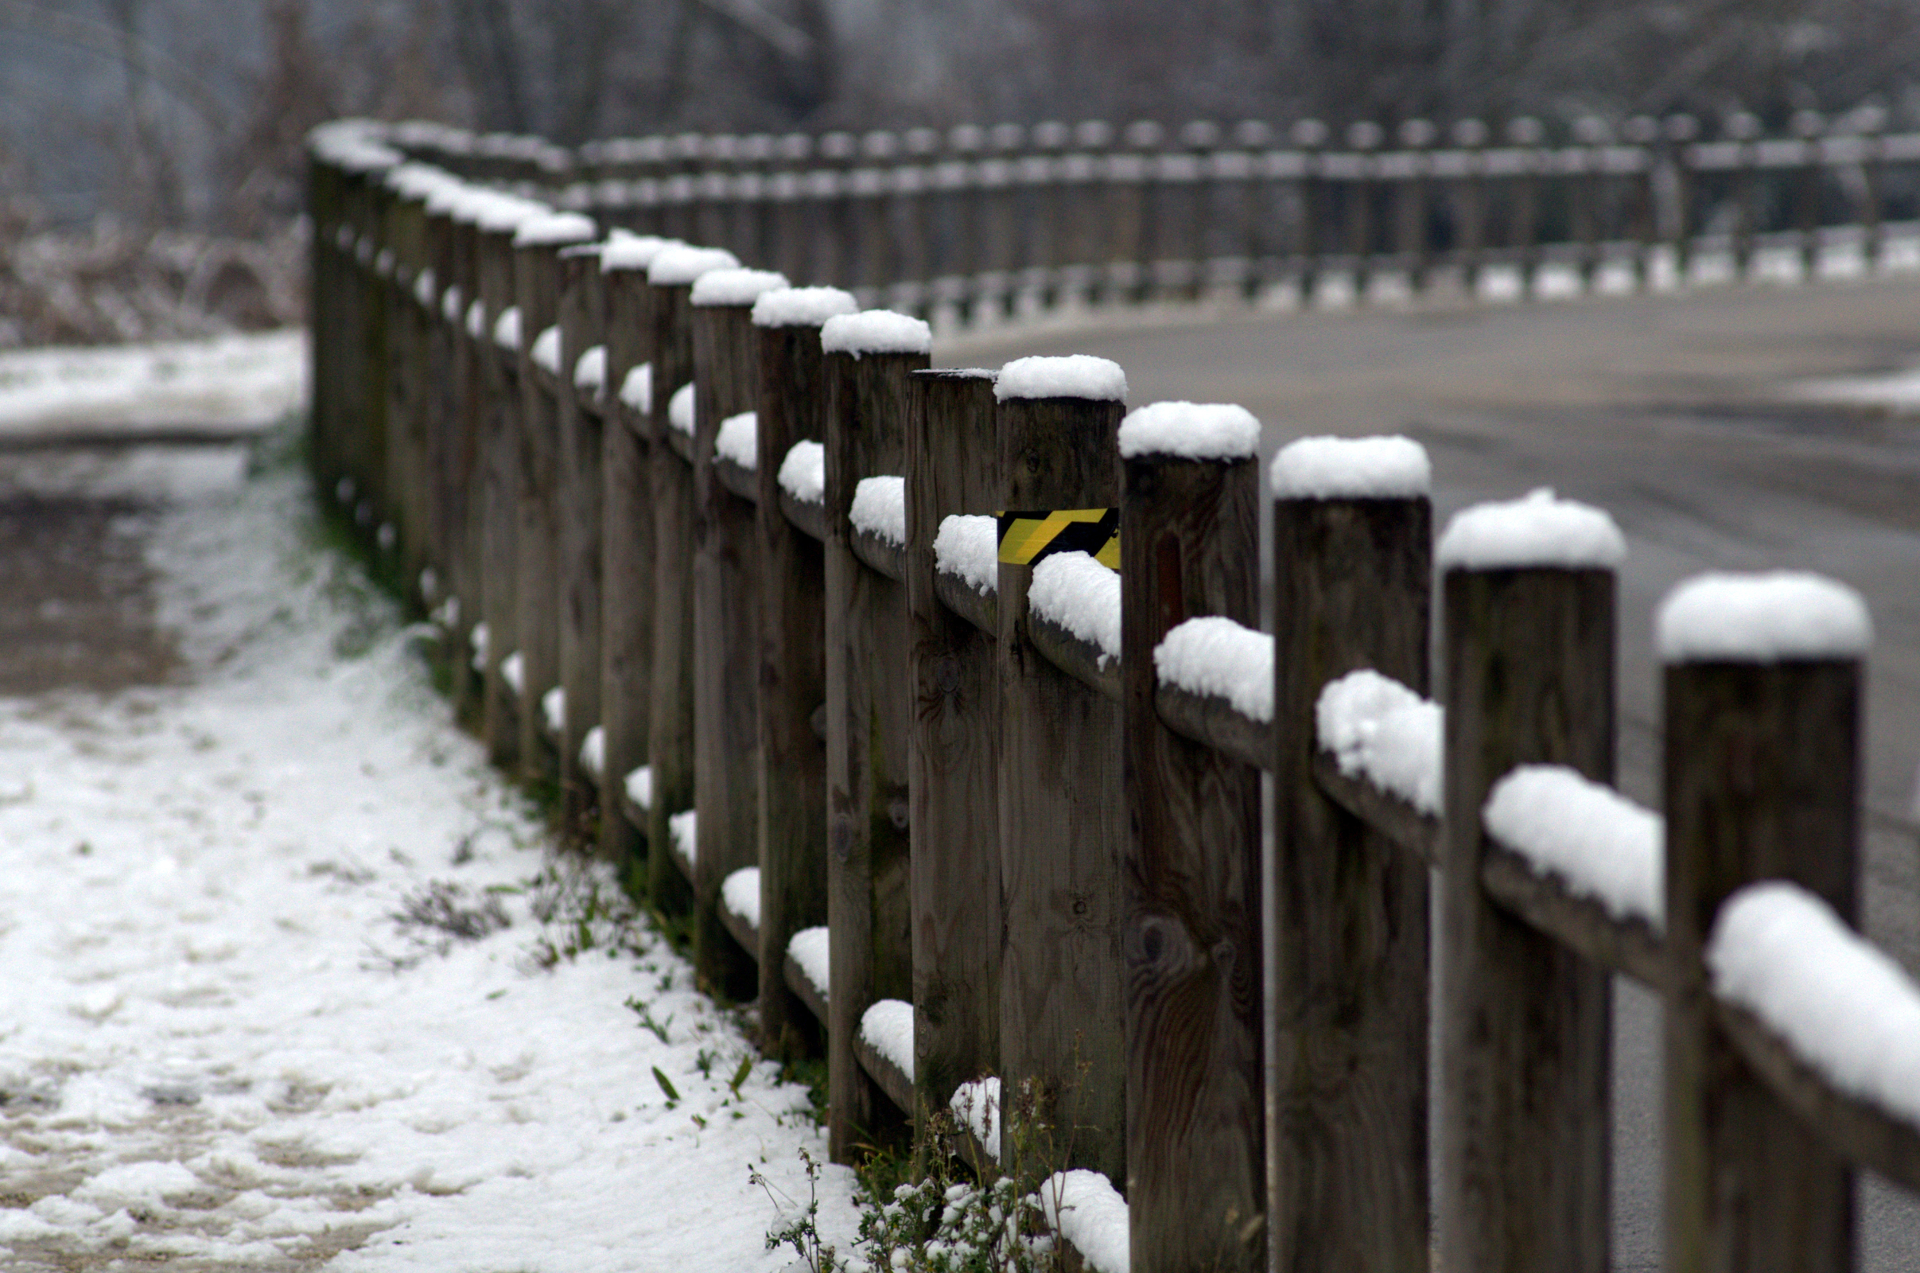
column 1027, row 537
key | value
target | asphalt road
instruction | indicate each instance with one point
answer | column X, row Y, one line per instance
column 1673, row 412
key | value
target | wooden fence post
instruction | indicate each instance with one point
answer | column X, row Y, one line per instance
column 1527, row 133
column 952, row 468
column 1525, row 1124
column 627, row 548
column 670, row 730
column 1352, row 580
column 498, row 392
column 536, row 291
column 1191, row 937
column 792, row 401
column 578, row 511
column 726, row 627
column 868, row 359
column 1762, row 782
column 1810, row 127
column 465, row 475
column 1062, row 833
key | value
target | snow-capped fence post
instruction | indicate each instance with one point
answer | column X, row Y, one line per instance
column 326, row 264
column 1148, row 198
column 953, row 468
column 791, row 408
column 726, row 621
column 670, row 732
column 577, row 509
column 376, row 335
column 1762, row 687
column 1411, row 201
column 1809, row 182
column 627, row 546
column 499, row 396
column 1196, row 1149
column 1062, row 834
column 1352, row 537
column 400, row 487
column 536, row 292
column 443, row 420
column 869, row 357
column 1523, row 225
column 1528, row 596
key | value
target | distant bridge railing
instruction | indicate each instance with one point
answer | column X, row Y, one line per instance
column 771, row 598
column 982, row 220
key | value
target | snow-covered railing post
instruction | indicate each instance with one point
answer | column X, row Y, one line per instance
column 1352, row 538
column 953, row 469
column 499, row 395
column 1763, row 723
column 726, row 619
column 627, row 544
column 1062, row 832
column 1191, row 944
column 579, row 490
column 671, row 730
column 1528, row 596
column 869, row 358
column 792, row 669
column 536, row 293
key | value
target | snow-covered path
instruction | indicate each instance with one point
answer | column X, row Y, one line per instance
column 220, row 1049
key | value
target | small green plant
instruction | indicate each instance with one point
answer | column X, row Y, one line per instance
column 800, row 1228
column 666, row 1087
column 645, row 1012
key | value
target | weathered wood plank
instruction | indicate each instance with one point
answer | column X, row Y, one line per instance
column 879, row 554
column 1195, row 1006
column 1080, row 659
column 499, row 508
column 869, row 704
column 809, row 517
column 793, row 683
column 627, row 564
column 536, row 290
column 726, row 651
column 804, row 990
column 951, row 468
column 740, row 483
column 1579, row 923
column 1852, row 1129
column 670, row 697
column 1209, row 719
column 1762, row 772
column 964, row 600
column 888, row 1077
column 744, row 934
column 1062, row 825
column 1526, row 1027
column 1412, row 829
column 578, row 513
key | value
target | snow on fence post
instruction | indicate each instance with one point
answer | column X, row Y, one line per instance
column 1062, row 832
column 536, row 292
column 1763, row 719
column 1528, row 613
column 498, row 392
column 953, row 467
column 578, row 510
column 791, row 408
column 627, row 546
column 726, row 622
column 869, row 357
column 401, row 463
column 443, row 419
column 1191, row 929
column 670, row 732
column 1352, row 536
column 464, row 474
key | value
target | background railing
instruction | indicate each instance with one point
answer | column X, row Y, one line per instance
column 985, row 220
column 770, row 599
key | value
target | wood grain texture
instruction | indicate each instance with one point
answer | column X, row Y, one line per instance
column 1216, row 722
column 793, row 683
column 1581, row 924
column 1196, row 1075
column 536, row 289
column 1350, row 964
column 1526, row 1123
column 952, row 458
column 670, row 727
column 1762, row 774
column 465, row 477
column 578, row 513
column 499, row 396
column 869, row 704
column 627, row 564
column 1062, row 819
column 726, row 646
column 1412, row 829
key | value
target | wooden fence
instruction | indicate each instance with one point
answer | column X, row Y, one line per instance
column 737, row 568
column 984, row 220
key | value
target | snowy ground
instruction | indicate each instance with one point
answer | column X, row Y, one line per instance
column 223, row 1050
column 233, row 382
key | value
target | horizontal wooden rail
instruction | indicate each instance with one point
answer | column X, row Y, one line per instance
column 980, row 609
column 1210, row 719
column 879, row 554
column 1579, row 923
column 1412, row 829
column 809, row 515
column 1081, row 659
column 742, row 482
